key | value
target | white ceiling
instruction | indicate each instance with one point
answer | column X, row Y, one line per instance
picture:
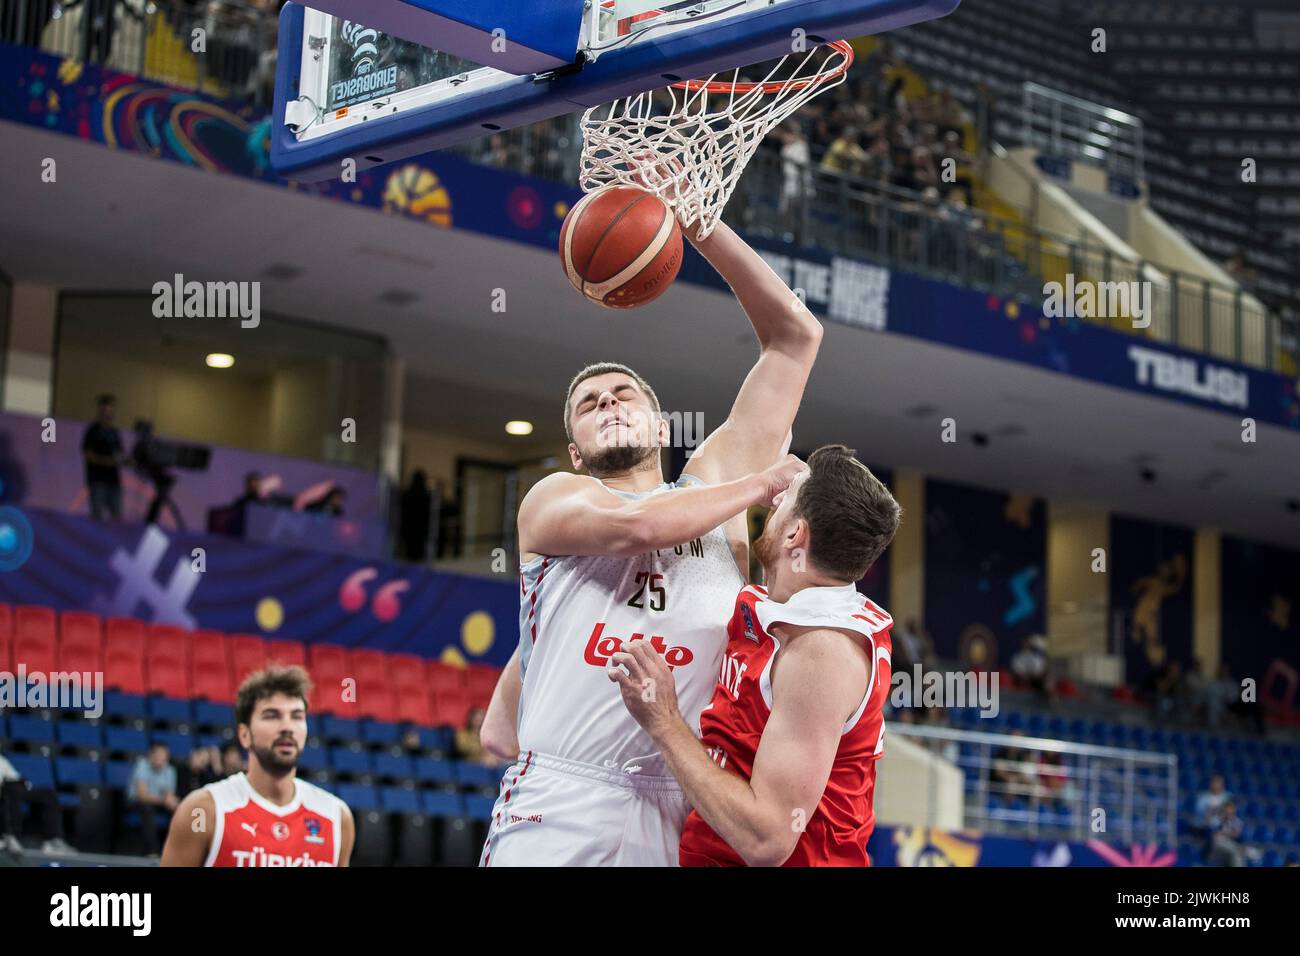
column 121, row 221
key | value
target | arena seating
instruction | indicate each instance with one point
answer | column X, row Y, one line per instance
column 168, row 685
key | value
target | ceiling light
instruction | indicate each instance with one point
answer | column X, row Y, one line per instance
column 519, row 428
column 220, row 360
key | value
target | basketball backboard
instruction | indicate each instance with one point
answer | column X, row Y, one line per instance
column 374, row 81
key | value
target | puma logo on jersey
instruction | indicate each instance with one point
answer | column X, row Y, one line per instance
column 730, row 674
column 250, row 827
column 601, row 647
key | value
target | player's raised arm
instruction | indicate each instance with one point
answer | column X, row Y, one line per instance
column 189, row 837
column 788, row 335
column 567, row 514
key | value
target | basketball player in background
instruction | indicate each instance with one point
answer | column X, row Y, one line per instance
column 785, row 772
column 614, row 554
column 265, row 816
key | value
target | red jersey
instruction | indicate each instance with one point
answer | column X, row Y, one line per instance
column 836, row 833
column 252, row 831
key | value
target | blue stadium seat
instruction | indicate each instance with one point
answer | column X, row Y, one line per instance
column 117, row 704
column 1035, row 725
column 117, row 773
column 1260, row 833
column 344, row 729
column 1286, row 835
column 33, row 730
column 442, row 803
column 80, row 734
column 436, row 738
column 312, row 759
column 35, row 769
column 1271, row 858
column 126, row 740
column 479, row 807
column 169, row 710
column 180, row 745
column 1057, row 726
column 209, row 740
column 381, row 732
column 347, row 760
column 359, row 797
column 429, row 770
column 472, row 774
column 398, row 766
column 208, row 714
column 399, row 800
column 72, row 771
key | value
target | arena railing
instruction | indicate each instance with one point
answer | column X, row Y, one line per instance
column 1034, row 787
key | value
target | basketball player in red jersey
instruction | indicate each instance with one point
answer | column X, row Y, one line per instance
column 266, row 816
column 785, row 771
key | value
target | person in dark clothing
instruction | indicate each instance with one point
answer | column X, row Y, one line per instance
column 252, row 494
column 44, row 804
column 199, row 771
column 417, row 505
column 330, row 503
column 101, row 447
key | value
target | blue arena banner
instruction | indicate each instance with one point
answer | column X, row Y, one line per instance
column 194, row 580
column 924, row 846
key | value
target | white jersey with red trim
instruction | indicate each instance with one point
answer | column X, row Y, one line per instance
column 575, row 611
column 252, row 831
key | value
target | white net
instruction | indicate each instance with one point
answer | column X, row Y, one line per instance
column 689, row 142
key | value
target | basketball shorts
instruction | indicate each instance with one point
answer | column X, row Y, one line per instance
column 554, row 812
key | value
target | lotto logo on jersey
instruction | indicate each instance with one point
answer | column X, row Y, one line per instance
column 601, row 647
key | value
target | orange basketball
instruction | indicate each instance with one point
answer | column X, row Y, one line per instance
column 621, row 246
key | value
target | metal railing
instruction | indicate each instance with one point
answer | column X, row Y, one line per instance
column 1072, row 128
column 1034, row 787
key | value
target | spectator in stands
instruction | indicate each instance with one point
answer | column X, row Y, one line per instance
column 152, row 790
column 846, row 154
column 469, row 745
column 200, row 770
column 331, row 503
column 1240, row 269
column 252, row 494
column 1012, row 769
column 1209, row 804
column 1226, row 848
column 908, row 650
column 101, row 447
column 1029, row 665
column 1233, row 699
column 947, row 749
column 417, row 507
column 232, row 760
column 41, row 801
column 796, row 172
column 1165, row 688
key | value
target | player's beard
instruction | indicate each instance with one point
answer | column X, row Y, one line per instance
column 273, row 763
column 766, row 550
column 617, row 459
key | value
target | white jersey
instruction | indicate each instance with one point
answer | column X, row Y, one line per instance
column 575, row 611
column 251, row 831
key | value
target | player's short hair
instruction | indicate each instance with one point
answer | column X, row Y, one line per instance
column 292, row 681
column 604, row 368
column 851, row 515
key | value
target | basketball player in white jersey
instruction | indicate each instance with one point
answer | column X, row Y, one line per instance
column 614, row 554
column 265, row 816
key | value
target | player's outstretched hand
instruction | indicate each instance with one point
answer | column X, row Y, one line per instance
column 779, row 477
column 649, row 692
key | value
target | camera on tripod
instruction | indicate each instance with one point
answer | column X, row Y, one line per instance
column 152, row 458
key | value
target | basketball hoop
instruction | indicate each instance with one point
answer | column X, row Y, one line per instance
column 689, row 142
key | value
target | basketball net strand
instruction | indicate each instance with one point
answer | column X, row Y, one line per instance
column 688, row 143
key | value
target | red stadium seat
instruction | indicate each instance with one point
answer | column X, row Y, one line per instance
column 408, row 673
column 209, row 647
column 375, row 700
column 445, row 677
column 211, row 679
column 329, row 663
column 167, row 676
column 413, row 706
column 123, row 670
column 126, row 633
column 481, row 680
column 80, row 630
column 287, row 652
column 6, row 635
column 369, row 666
column 247, row 654
column 35, row 643
column 169, row 642
column 450, row 708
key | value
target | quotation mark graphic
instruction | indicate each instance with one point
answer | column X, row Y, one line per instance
column 386, row 604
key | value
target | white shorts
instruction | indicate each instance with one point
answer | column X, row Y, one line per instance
column 554, row 812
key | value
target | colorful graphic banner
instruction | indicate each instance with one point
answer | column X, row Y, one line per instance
column 923, row 846
column 195, row 580
column 1151, row 574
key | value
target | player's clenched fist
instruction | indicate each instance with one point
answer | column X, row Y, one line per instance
column 779, row 477
column 649, row 692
